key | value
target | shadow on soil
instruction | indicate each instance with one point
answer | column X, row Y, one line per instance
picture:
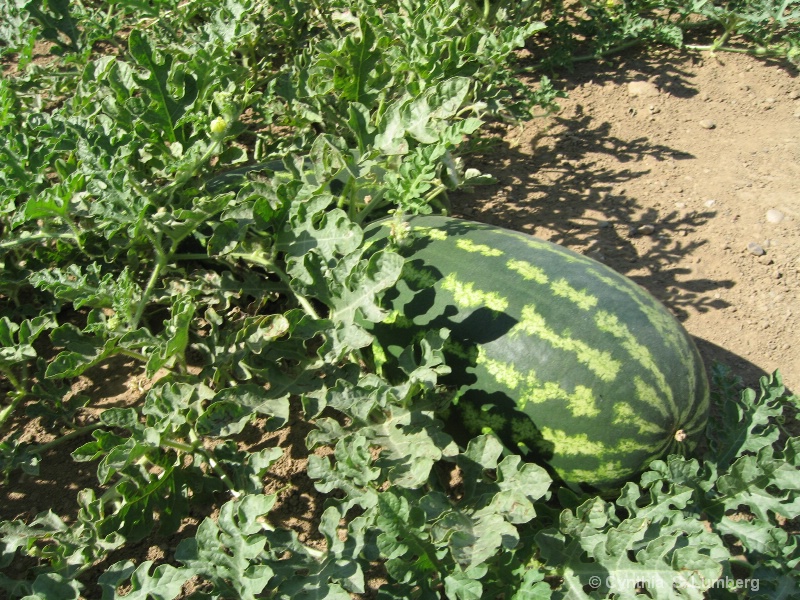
column 713, row 354
column 561, row 180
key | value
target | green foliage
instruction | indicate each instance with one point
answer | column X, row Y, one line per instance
column 593, row 29
column 183, row 187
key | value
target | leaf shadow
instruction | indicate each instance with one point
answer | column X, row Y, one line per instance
column 560, row 184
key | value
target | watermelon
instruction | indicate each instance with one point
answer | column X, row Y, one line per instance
column 569, row 363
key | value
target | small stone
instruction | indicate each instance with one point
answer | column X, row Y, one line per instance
column 774, row 216
column 597, row 255
column 710, row 203
column 755, row 249
column 794, row 94
column 765, row 260
column 642, row 89
column 645, row 229
column 707, row 124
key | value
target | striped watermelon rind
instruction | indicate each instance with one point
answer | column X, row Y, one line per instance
column 570, row 363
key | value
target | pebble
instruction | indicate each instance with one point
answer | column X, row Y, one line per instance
column 794, row 94
column 756, row 249
column 774, row 216
column 642, row 89
column 645, row 229
column 707, row 124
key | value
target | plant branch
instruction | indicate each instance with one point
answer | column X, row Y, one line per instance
column 39, row 238
column 274, row 268
column 132, row 354
column 161, row 262
column 78, row 432
column 8, row 410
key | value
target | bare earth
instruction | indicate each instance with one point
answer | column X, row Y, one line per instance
column 675, row 181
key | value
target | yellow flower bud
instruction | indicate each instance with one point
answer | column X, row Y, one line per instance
column 218, row 126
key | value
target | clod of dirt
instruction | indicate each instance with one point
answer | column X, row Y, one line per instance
column 774, row 216
column 642, row 89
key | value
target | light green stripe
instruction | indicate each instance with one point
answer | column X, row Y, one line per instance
column 607, row 471
column 611, row 469
column 580, row 445
column 476, row 420
column 467, row 296
column 469, row 246
column 624, row 414
column 640, row 353
column 658, row 317
column 695, row 426
column 421, row 278
column 468, row 353
column 579, row 298
column 524, row 431
column 648, row 395
column 528, row 271
column 601, row 363
column 572, row 445
column 537, row 244
column 504, row 372
column 398, row 319
column 432, row 232
column 581, row 402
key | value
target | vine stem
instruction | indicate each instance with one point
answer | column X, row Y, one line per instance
column 750, row 51
column 161, row 262
column 41, row 448
column 131, row 354
column 270, row 264
column 196, row 447
column 7, row 411
column 38, row 238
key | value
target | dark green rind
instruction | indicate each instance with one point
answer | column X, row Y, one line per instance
column 562, row 357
